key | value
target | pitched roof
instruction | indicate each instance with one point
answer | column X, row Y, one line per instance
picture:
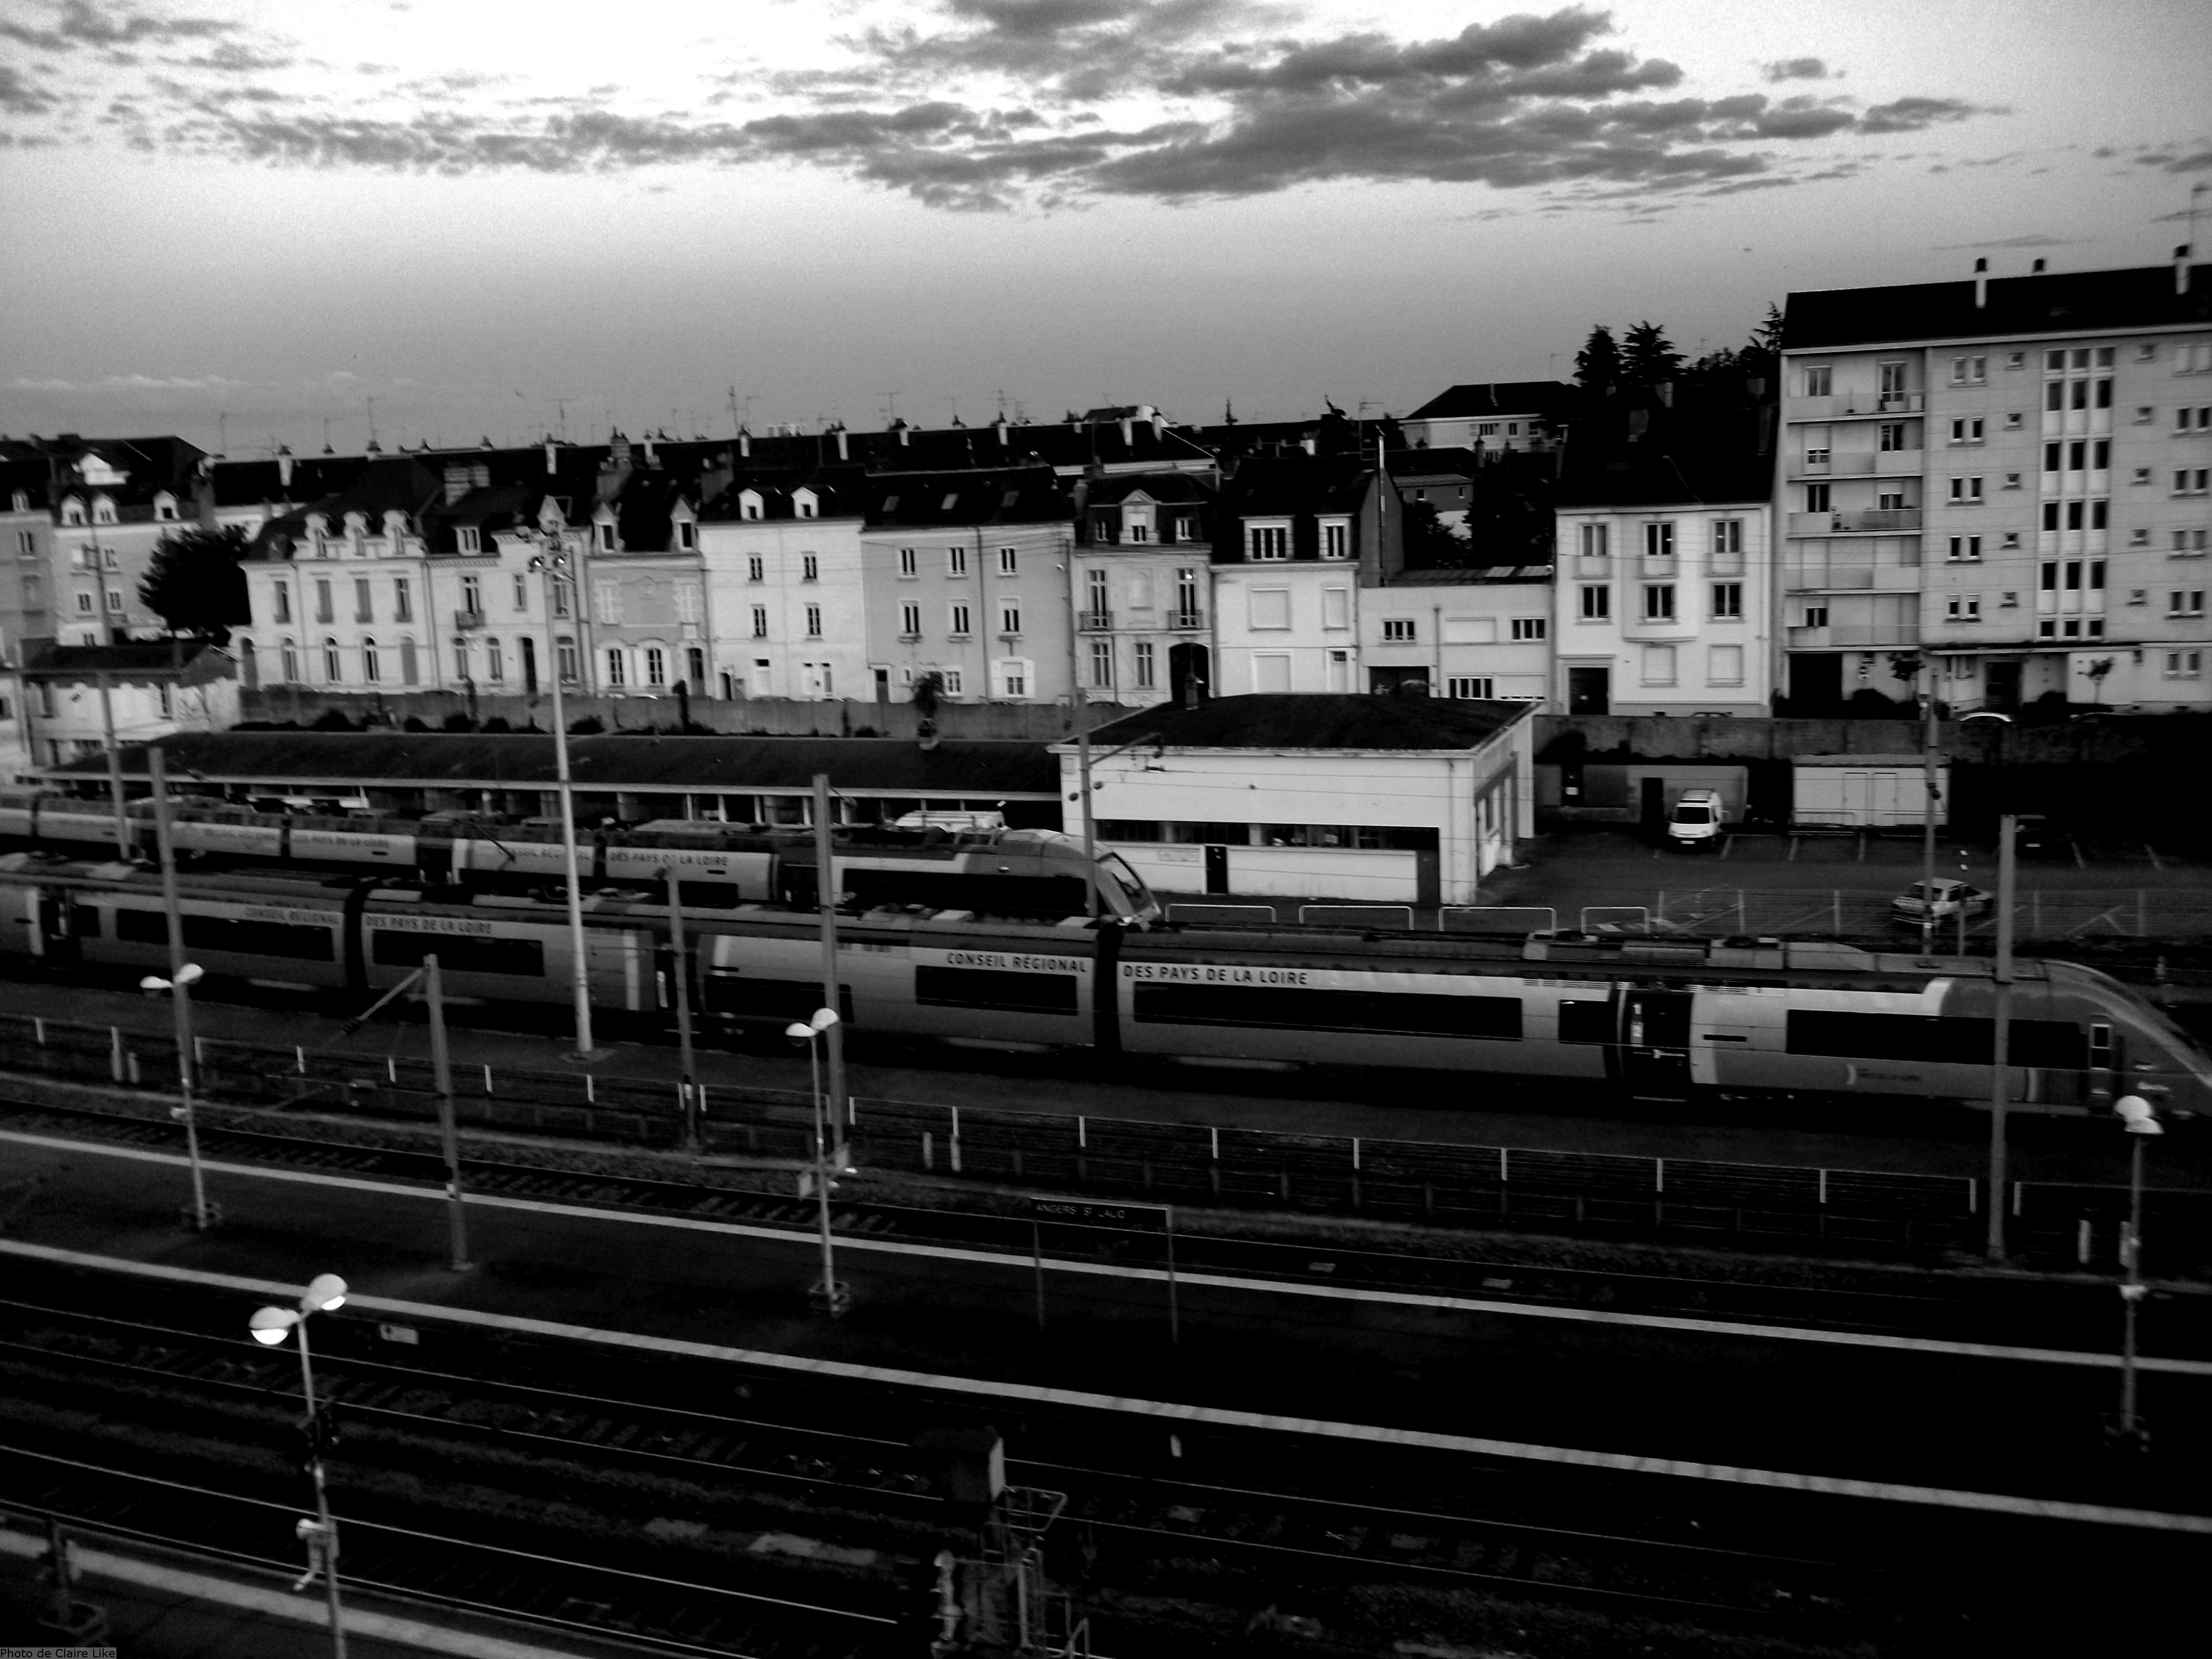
column 1024, row 496
column 840, row 492
column 1163, row 487
column 975, row 768
column 2055, row 302
column 134, row 659
column 1479, row 399
column 1276, row 485
column 1306, row 721
column 1708, row 445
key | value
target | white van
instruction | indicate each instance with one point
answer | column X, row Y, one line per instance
column 1696, row 820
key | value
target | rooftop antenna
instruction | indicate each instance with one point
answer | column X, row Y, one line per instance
column 955, row 402
column 890, row 407
column 327, row 435
column 1002, row 402
column 222, row 432
column 560, row 408
column 736, row 425
column 371, row 402
column 2197, row 192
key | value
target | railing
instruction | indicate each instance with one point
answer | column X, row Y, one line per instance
column 1187, row 619
column 1597, row 565
column 467, row 619
column 1863, row 519
column 1093, row 622
column 1657, row 566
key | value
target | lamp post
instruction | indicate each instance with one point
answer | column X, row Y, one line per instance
column 269, row 1325
column 680, row 970
column 200, row 1215
column 1929, row 790
column 552, row 568
column 2136, row 1116
column 832, row 1296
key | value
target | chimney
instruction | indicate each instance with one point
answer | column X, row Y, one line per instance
column 284, row 466
column 618, row 450
column 649, row 460
column 745, row 443
column 1001, row 429
column 2036, row 270
column 1981, row 284
column 902, row 428
column 1306, row 443
column 2181, row 268
column 1159, row 424
column 843, row 453
column 1128, row 436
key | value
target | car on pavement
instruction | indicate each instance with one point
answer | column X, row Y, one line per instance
column 2035, row 836
column 1949, row 898
column 1696, row 820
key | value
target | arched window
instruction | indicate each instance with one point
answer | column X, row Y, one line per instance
column 407, row 669
column 287, row 656
column 656, row 665
column 72, row 511
column 103, row 510
column 460, row 656
column 333, row 669
column 249, row 665
column 368, row 661
column 616, row 676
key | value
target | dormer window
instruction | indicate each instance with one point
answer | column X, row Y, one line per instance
column 606, row 536
column 748, row 505
column 165, row 508
column 803, row 503
column 468, row 538
column 687, row 534
column 22, row 501
column 72, row 511
column 103, row 510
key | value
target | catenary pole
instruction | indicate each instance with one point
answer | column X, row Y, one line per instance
column 680, row 970
column 114, row 769
column 180, row 985
column 449, row 1129
column 2001, row 1037
column 825, row 896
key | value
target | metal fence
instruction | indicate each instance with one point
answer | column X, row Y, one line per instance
column 2038, row 914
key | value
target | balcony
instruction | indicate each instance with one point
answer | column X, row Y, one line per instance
column 1093, row 622
column 1875, row 518
column 1657, row 566
column 468, row 620
column 1594, row 566
column 1187, row 620
column 1657, row 628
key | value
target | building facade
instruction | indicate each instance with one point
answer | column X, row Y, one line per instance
column 78, row 697
column 1144, row 546
column 781, row 564
column 1471, row 636
column 1297, row 536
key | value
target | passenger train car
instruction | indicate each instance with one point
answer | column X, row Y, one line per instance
column 1646, row 1019
column 1006, row 872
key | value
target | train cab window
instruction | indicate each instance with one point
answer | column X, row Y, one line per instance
column 84, row 921
column 1585, row 1022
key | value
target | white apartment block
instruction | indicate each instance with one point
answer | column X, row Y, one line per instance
column 1143, row 544
column 784, row 595
column 2006, row 478
column 1478, row 634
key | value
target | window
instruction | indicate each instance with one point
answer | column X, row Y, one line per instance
column 1659, row 602
column 560, row 599
column 606, row 538
column 1725, row 664
column 656, row 665
column 2050, row 515
column 364, row 608
column 956, row 561
column 73, row 509
column 371, row 662
column 1269, row 542
column 687, row 534
column 2184, row 665
column 1728, row 536
column 1596, row 602
column 1185, row 530
column 2193, row 420
column 2188, row 602
column 1010, row 617
column 1727, row 601
column 103, row 511
column 332, row 666
column 1009, row 560
column 1967, row 432
column 953, row 678
column 1013, row 679
column 2104, row 397
column 757, row 567
column 1101, row 663
column 760, row 621
column 289, row 655
column 1966, row 550
column 1816, row 615
column 956, row 621
column 110, row 558
column 564, row 654
column 696, row 658
column 467, row 539
column 1966, row 489
column 813, row 621
column 1094, row 582
column 1398, row 630
column 910, row 622
column 1964, row 607
column 1969, row 371
column 2191, row 482
column 1479, row 688
column 471, row 596
column 1335, row 541
column 2012, row 421
column 86, row 605
column 460, row 657
column 26, row 544
column 1594, row 542
column 323, row 612
column 617, row 666
column 1659, row 539
column 2190, row 541
column 803, row 505
column 284, row 602
column 1820, row 380
column 1816, row 498
column 1187, row 611
column 2054, row 397
column 1528, row 627
column 810, row 568
column 1137, row 532
column 1145, row 665
column 909, row 562
column 1658, row 664
column 1892, row 375
column 115, row 598
column 1892, row 436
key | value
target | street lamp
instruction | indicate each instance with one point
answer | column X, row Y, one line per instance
column 2141, row 1122
column 269, row 1325
column 553, row 568
column 832, row 1295
column 202, row 1216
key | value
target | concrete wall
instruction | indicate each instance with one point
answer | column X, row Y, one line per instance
column 2181, row 738
column 1045, row 722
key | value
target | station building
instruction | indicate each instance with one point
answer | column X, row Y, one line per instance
column 1389, row 799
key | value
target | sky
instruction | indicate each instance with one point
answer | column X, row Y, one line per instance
column 251, row 222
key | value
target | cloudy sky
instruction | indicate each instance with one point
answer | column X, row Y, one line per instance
column 488, row 215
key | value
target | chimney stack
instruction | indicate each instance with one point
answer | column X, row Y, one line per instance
column 284, row 466
column 551, row 468
column 1981, row 283
column 2181, row 268
column 745, row 443
column 843, row 453
column 1002, row 430
column 902, row 428
column 2036, row 270
column 1128, row 433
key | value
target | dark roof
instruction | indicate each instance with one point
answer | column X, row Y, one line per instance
column 2057, row 302
column 251, row 483
column 1026, row 495
column 388, row 483
column 1273, row 485
column 135, row 659
column 1163, row 487
column 1475, row 400
column 872, row 765
column 840, row 492
column 1708, row 445
column 1293, row 721
column 1478, row 577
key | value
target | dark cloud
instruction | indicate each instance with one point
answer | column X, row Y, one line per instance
column 2031, row 239
column 1795, row 68
column 74, row 23
column 21, row 96
column 235, row 58
column 2198, row 162
column 1918, row 114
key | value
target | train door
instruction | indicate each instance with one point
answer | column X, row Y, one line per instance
column 1655, row 1041
column 1216, row 869
column 59, row 926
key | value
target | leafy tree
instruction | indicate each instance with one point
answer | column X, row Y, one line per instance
column 1648, row 357
column 1430, row 544
column 929, row 693
column 1597, row 365
column 193, row 583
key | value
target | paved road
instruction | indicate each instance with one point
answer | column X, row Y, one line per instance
column 1721, row 1397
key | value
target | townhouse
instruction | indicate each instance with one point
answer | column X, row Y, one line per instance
column 113, row 501
column 1515, row 416
column 2001, row 483
column 781, row 561
column 1144, row 547
column 1297, row 536
column 27, row 528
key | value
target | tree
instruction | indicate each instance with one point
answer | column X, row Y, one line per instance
column 1430, row 545
column 1597, row 365
column 1648, row 357
column 193, row 583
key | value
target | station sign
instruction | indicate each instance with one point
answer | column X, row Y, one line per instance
column 1085, row 1212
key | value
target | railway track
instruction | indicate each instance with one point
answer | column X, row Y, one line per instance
column 2028, row 1312
column 2025, row 1312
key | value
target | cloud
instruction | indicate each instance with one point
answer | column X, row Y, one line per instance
column 19, row 96
column 2031, row 239
column 1795, row 68
column 2198, row 162
column 1918, row 114
column 72, row 24
column 129, row 383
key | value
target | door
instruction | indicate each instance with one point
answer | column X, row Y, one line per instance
column 1816, row 683
column 1653, row 806
column 1589, row 691
column 882, row 684
column 1190, row 676
column 1428, row 875
column 1655, row 1042
column 529, row 666
column 2001, row 687
column 1216, row 869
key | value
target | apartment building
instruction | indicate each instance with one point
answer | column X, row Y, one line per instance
column 1663, row 528
column 75, row 696
column 1515, row 416
column 113, row 499
column 788, row 610
column 965, row 574
column 2002, row 480
column 1143, row 545
column 1299, row 534
column 27, row 531
column 1481, row 634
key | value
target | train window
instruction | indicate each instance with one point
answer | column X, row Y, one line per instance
column 1585, row 1022
column 2051, row 1044
column 984, row 987
column 517, row 958
column 236, row 935
column 2100, row 1046
column 743, row 996
column 710, row 895
column 1405, row 1012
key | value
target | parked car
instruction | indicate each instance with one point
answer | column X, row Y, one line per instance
column 2035, row 836
column 1950, row 898
column 1696, row 820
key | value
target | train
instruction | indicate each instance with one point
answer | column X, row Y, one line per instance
column 1662, row 1020
column 1016, row 873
